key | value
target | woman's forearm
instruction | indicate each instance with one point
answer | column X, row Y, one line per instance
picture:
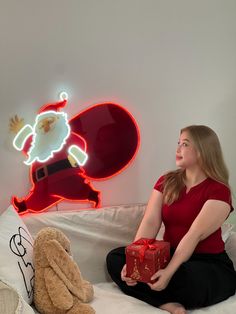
column 147, row 230
column 183, row 251
column 210, row 218
column 152, row 220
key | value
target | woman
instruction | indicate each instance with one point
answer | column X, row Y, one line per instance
column 193, row 202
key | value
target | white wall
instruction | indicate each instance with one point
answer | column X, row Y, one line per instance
column 171, row 63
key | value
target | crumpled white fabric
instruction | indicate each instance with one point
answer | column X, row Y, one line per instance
column 11, row 302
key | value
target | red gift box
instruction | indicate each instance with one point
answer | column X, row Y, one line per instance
column 145, row 257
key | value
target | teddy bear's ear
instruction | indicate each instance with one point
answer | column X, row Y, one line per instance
column 56, row 255
column 66, row 269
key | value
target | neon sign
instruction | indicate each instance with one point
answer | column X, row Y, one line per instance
column 95, row 144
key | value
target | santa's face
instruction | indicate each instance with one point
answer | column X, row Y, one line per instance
column 51, row 129
column 46, row 124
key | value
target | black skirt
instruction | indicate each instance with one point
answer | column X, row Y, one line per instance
column 205, row 279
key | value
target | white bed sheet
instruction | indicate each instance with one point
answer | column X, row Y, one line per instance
column 109, row 299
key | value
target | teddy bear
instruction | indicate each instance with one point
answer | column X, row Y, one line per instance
column 59, row 287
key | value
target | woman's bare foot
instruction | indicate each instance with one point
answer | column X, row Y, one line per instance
column 173, row 308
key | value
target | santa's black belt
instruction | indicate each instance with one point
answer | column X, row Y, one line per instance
column 45, row 171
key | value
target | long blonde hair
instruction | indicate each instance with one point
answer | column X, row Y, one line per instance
column 211, row 161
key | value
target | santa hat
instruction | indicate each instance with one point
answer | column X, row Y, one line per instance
column 54, row 107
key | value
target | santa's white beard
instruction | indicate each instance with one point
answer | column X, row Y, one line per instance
column 44, row 145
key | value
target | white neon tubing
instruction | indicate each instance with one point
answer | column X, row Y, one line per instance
column 22, row 136
column 63, row 96
column 47, row 113
column 78, row 154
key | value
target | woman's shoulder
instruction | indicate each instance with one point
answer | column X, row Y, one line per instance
column 159, row 185
column 214, row 184
column 218, row 191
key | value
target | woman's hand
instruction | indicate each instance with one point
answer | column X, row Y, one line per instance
column 129, row 281
column 161, row 278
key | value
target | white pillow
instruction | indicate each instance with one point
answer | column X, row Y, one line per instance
column 161, row 232
column 16, row 247
column 226, row 230
column 230, row 247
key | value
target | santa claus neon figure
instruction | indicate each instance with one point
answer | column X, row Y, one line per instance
column 57, row 153
column 57, row 124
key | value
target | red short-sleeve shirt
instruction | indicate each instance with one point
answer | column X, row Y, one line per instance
column 179, row 216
